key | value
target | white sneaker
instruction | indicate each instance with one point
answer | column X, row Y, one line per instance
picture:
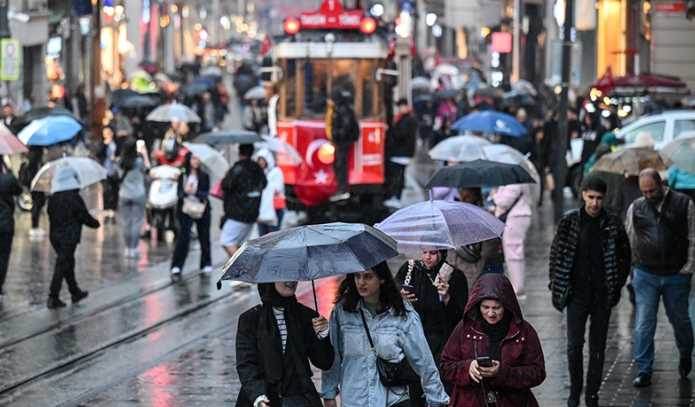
column 207, row 270
column 393, row 202
column 36, row 234
column 339, row 196
column 175, row 271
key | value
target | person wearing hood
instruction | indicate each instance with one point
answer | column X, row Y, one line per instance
column 275, row 342
column 9, row 189
column 494, row 356
column 272, row 207
column 67, row 213
column 589, row 263
column 438, row 292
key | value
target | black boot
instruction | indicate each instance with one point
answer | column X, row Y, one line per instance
column 591, row 400
column 54, row 302
column 684, row 367
column 81, row 295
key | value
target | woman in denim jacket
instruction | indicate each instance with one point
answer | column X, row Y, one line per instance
column 397, row 333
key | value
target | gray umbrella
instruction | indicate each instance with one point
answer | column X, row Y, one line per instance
column 309, row 252
column 217, row 138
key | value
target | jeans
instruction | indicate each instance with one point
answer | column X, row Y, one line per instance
column 264, row 228
column 183, row 239
column 64, row 269
column 5, row 250
column 578, row 311
column 675, row 290
column 132, row 216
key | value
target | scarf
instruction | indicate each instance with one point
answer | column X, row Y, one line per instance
column 496, row 334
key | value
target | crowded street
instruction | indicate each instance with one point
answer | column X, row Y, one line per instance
column 324, row 203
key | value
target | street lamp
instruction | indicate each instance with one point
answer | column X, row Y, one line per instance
column 430, row 19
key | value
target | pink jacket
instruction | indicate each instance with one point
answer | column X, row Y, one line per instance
column 504, row 197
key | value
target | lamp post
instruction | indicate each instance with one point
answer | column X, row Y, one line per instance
column 561, row 163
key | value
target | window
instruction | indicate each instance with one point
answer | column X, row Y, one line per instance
column 683, row 125
column 288, row 92
column 655, row 130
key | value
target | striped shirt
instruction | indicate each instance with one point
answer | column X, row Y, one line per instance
column 282, row 326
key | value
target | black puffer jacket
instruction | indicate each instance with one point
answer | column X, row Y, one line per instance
column 242, row 187
column 616, row 256
column 9, row 188
column 67, row 213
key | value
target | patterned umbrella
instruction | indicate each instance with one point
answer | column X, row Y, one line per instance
column 630, row 161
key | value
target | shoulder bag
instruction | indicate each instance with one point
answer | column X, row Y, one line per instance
column 391, row 374
column 193, row 207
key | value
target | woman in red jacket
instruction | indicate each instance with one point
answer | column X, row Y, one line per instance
column 493, row 330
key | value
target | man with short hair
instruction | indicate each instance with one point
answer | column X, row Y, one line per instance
column 589, row 263
column 242, row 187
column 661, row 227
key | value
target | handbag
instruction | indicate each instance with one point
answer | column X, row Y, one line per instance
column 193, row 207
column 391, row 374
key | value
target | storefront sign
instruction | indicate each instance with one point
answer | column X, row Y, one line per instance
column 674, row 7
column 10, row 59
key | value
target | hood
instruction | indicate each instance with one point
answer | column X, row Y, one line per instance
column 267, row 156
column 493, row 286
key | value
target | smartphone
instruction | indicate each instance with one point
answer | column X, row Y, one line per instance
column 140, row 145
column 409, row 288
column 484, row 361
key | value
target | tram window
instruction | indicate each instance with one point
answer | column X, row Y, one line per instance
column 289, row 108
column 368, row 88
column 315, row 76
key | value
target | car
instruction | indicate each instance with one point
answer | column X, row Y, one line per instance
column 663, row 128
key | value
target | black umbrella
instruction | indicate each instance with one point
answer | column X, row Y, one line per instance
column 480, row 173
column 119, row 95
column 39, row 113
column 447, row 94
column 307, row 253
column 195, row 88
column 229, row 137
column 138, row 101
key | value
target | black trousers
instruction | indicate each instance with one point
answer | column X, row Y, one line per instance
column 64, row 269
column 183, row 239
column 340, row 166
column 395, row 174
column 5, row 250
column 578, row 312
column 38, row 200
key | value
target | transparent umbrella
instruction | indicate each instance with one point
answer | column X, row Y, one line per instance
column 681, row 152
column 439, row 225
column 450, row 148
column 68, row 173
column 213, row 161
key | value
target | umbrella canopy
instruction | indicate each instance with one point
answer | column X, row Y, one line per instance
column 38, row 113
column 479, row 173
column 420, row 83
column 50, row 130
column 118, row 95
column 524, row 87
column 68, row 173
column 9, row 144
column 213, row 161
column 490, row 122
column 282, row 148
column 195, row 88
column 255, row 93
column 450, row 148
column 439, row 225
column 216, row 138
column 211, row 71
column 173, row 111
column 447, row 93
column 630, row 161
column 499, row 153
column 309, row 252
column 681, row 153
column 136, row 102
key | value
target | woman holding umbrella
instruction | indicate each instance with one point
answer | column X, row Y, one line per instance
column 438, row 292
column 274, row 344
column 370, row 312
column 193, row 206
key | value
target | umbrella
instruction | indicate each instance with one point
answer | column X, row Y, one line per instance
column 681, row 152
column 255, row 93
column 136, row 102
column 118, row 95
column 173, row 111
column 229, row 137
column 439, row 225
column 524, row 87
column 309, row 252
column 68, row 173
column 490, row 122
column 421, row 83
column 499, row 153
column 450, row 148
column 9, row 144
column 447, row 93
column 38, row 113
column 195, row 88
column 49, row 130
column 213, row 161
column 280, row 147
column 479, row 173
column 630, row 161
column 211, row 71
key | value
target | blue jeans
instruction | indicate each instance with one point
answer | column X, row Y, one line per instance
column 675, row 290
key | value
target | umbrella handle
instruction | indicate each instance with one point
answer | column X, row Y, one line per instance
column 316, row 301
column 431, row 194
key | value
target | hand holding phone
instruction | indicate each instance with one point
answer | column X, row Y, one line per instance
column 408, row 292
column 484, row 361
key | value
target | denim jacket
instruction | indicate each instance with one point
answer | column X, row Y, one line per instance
column 354, row 374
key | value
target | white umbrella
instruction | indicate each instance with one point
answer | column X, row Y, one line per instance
column 173, row 111
column 450, row 148
column 213, row 161
column 68, row 173
column 284, row 150
column 255, row 93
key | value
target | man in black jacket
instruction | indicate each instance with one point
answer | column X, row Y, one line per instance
column 9, row 188
column 345, row 131
column 589, row 263
column 400, row 145
column 242, row 187
column 661, row 227
column 67, row 213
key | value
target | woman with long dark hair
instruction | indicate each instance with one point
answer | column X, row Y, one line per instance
column 132, row 194
column 370, row 321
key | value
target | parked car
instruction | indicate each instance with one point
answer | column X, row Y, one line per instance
column 663, row 128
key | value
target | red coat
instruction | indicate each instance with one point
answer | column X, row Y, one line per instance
column 522, row 366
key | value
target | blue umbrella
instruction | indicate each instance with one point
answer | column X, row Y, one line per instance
column 49, row 131
column 490, row 122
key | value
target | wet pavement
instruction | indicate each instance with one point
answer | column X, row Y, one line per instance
column 142, row 340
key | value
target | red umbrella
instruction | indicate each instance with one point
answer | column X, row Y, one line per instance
column 9, row 143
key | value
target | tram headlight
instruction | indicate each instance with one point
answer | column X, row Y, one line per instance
column 291, row 26
column 326, row 154
column 367, row 25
